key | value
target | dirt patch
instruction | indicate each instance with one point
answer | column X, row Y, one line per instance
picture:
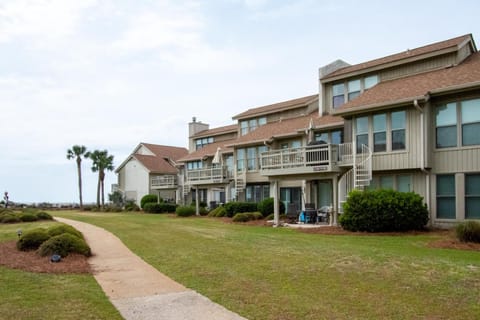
column 13, row 258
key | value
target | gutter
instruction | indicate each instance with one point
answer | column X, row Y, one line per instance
column 378, row 105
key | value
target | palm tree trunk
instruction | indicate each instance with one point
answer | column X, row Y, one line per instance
column 102, row 178
column 79, row 170
column 98, row 190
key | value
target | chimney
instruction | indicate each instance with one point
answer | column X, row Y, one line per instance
column 195, row 127
column 322, row 72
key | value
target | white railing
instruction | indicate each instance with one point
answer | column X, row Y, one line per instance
column 324, row 155
column 213, row 174
column 169, row 181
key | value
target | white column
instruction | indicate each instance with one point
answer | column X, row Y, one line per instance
column 276, row 207
column 334, row 209
column 197, row 202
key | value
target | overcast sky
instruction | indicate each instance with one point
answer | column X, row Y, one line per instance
column 110, row 74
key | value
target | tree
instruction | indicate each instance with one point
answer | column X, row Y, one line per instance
column 77, row 152
column 101, row 162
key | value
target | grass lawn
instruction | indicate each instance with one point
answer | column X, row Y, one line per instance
column 267, row 273
column 26, row 295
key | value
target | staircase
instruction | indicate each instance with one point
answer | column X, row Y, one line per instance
column 358, row 177
column 186, row 189
column 240, row 184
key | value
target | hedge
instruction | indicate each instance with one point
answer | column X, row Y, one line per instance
column 384, row 211
column 266, row 207
column 468, row 231
column 32, row 239
column 63, row 245
column 159, row 207
column 148, row 198
column 232, row 208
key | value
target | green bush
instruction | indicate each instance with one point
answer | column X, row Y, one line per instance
column 32, row 239
column 468, row 231
column 254, row 215
column 384, row 211
column 218, row 212
column 64, row 244
column 28, row 217
column 159, row 207
column 233, row 208
column 148, row 198
column 42, row 215
column 240, row 217
column 64, row 228
column 185, row 211
column 266, row 207
column 131, row 206
column 10, row 218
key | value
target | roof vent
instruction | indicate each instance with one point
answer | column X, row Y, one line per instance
column 194, row 119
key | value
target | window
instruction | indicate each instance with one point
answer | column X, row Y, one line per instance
column 229, row 163
column 386, row 182
column 446, row 196
column 252, row 158
column 296, row 144
column 251, row 125
column 202, row 142
column 321, row 137
column 257, row 193
column 472, row 196
column 370, row 81
column 353, row 89
column 404, row 183
column 337, row 137
column 361, row 132
column 446, row 120
column 193, row 165
column 398, row 130
column 380, row 132
column 338, row 95
column 470, row 122
column 240, row 159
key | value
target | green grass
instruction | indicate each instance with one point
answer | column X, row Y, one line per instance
column 267, row 273
column 27, row 295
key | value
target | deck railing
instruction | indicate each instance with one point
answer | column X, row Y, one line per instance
column 309, row 156
column 168, row 181
column 208, row 175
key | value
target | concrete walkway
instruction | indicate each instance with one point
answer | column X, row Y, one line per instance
column 138, row 290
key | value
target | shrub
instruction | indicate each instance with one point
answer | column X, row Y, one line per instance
column 185, row 211
column 10, row 218
column 32, row 239
column 131, row 206
column 468, row 231
column 64, row 228
column 240, row 217
column 159, row 207
column 383, row 211
column 266, row 207
column 233, row 208
column 42, row 215
column 28, row 217
column 64, row 244
column 254, row 215
column 148, row 198
column 218, row 212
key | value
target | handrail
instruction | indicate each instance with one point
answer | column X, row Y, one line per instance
column 299, row 157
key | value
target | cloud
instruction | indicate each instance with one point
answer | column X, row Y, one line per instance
column 40, row 18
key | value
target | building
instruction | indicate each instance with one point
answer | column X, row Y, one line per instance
column 405, row 122
column 150, row 169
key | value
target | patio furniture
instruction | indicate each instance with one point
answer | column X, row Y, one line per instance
column 324, row 214
column 292, row 213
column 310, row 213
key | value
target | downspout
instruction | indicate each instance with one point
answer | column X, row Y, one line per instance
column 422, row 154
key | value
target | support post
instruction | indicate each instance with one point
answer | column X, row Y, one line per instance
column 197, row 202
column 276, row 207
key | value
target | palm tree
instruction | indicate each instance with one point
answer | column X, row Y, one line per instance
column 77, row 152
column 101, row 162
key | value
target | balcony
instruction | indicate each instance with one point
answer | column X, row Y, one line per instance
column 164, row 182
column 210, row 175
column 304, row 160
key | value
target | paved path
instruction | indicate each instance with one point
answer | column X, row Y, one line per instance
column 138, row 290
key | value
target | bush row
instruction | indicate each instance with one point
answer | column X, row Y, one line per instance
column 60, row 239
column 468, row 231
column 247, row 216
column 27, row 215
column 151, row 207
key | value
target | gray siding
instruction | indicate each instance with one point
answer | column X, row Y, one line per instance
column 457, row 160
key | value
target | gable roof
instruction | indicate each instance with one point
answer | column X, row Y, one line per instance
column 437, row 48
column 417, row 87
column 158, row 163
column 276, row 107
column 287, row 128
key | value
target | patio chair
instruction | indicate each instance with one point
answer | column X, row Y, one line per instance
column 310, row 213
column 324, row 214
column 292, row 212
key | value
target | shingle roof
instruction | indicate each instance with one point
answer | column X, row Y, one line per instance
column 285, row 105
column 208, row 150
column 408, row 54
column 217, row 131
column 287, row 127
column 418, row 86
column 158, row 163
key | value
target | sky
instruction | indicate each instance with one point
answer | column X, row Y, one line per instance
column 109, row 74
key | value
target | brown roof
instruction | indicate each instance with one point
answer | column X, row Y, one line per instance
column 287, row 127
column 453, row 43
column 217, row 131
column 285, row 105
column 158, row 163
column 208, row 150
column 405, row 90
